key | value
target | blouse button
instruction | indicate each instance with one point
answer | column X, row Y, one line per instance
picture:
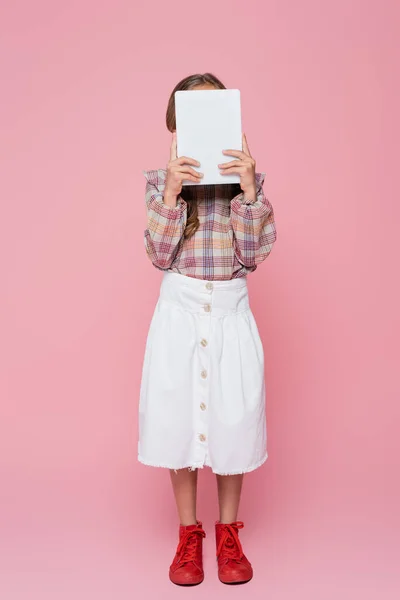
column 202, row 437
column 207, row 307
column 203, row 373
column 204, row 342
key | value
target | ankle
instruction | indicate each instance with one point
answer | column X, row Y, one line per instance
column 188, row 522
column 225, row 521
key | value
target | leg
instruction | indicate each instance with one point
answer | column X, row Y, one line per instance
column 187, row 566
column 233, row 565
column 229, row 491
column 184, row 484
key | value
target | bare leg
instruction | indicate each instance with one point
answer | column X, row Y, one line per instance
column 229, row 490
column 184, row 484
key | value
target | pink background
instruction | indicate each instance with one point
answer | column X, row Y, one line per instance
column 84, row 92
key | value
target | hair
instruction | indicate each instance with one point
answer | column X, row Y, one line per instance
column 188, row 83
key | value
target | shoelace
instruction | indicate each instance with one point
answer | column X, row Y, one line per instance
column 229, row 547
column 187, row 547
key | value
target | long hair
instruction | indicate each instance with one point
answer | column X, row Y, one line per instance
column 188, row 83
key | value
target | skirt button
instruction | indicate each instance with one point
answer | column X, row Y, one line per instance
column 204, row 342
column 203, row 374
column 202, row 437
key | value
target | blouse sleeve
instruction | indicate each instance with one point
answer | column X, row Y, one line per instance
column 253, row 226
column 165, row 224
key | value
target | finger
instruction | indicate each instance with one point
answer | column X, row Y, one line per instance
column 187, row 170
column 245, row 144
column 172, row 154
column 231, row 170
column 232, row 163
column 237, row 153
column 190, row 178
column 182, row 160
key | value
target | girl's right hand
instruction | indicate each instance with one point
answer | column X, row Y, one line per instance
column 178, row 169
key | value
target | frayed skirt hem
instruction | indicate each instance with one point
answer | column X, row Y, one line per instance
column 193, row 467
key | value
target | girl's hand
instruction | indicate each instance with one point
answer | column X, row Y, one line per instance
column 178, row 169
column 244, row 166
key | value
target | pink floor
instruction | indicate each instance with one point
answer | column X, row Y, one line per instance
column 83, row 539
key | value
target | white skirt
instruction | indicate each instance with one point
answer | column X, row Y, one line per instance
column 202, row 394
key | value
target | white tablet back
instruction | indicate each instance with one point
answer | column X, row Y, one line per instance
column 207, row 122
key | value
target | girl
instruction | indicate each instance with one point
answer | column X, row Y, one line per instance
column 202, row 396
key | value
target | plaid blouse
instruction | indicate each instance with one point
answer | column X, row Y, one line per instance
column 234, row 236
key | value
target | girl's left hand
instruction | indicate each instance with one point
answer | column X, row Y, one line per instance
column 244, row 166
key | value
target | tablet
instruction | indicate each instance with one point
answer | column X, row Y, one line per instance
column 207, row 122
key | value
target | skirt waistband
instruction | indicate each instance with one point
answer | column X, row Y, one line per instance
column 207, row 298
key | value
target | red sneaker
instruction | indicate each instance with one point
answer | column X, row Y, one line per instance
column 187, row 566
column 233, row 566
